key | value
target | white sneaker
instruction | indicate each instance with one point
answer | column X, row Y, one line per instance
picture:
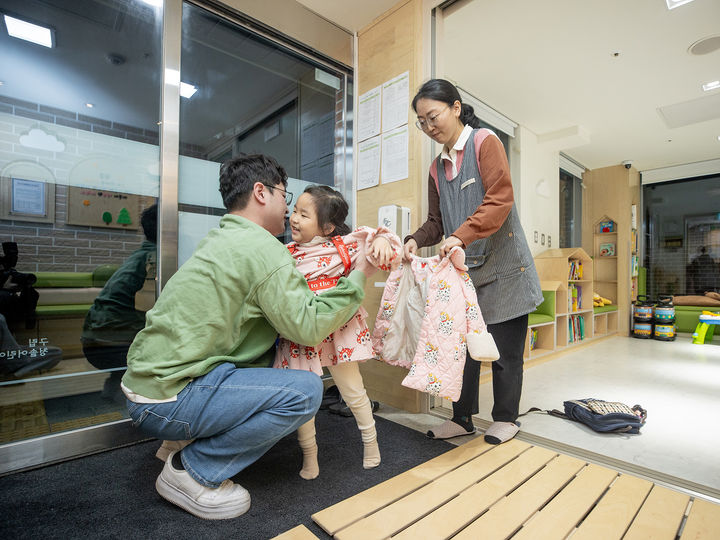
column 170, row 446
column 227, row 501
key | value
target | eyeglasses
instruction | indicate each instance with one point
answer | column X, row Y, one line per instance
column 288, row 195
column 431, row 122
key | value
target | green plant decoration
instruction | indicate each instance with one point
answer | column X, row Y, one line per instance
column 107, row 218
column 124, row 217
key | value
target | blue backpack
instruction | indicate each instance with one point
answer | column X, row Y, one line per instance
column 602, row 416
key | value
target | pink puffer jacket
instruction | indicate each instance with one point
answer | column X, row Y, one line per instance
column 449, row 322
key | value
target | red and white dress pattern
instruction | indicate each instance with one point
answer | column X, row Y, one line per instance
column 323, row 261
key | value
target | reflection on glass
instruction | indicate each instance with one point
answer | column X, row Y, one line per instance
column 118, row 312
column 78, row 166
column 253, row 96
column 682, row 237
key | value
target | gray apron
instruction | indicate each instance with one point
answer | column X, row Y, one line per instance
column 501, row 265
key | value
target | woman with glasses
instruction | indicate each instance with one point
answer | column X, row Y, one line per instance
column 471, row 204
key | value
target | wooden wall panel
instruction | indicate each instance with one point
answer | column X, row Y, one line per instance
column 611, row 191
column 387, row 47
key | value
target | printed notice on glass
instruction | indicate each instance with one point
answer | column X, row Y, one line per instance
column 369, row 114
column 28, row 197
column 395, row 101
column 369, row 163
column 395, row 155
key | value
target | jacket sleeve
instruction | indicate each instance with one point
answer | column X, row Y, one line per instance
column 301, row 316
column 365, row 236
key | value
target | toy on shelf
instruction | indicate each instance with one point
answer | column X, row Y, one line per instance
column 606, row 226
column 599, row 301
column 607, row 250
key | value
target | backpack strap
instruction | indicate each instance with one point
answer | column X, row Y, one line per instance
column 344, row 253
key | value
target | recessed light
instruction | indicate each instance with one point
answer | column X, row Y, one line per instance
column 711, row 86
column 89, row 105
column 187, row 90
column 33, row 33
column 672, row 4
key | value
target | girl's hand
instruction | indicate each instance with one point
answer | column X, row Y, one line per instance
column 382, row 251
column 409, row 249
column 449, row 243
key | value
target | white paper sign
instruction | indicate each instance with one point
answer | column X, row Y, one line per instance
column 28, row 197
column 395, row 155
column 395, row 101
column 369, row 163
column 369, row 114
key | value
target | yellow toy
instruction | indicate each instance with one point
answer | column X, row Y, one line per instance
column 599, row 301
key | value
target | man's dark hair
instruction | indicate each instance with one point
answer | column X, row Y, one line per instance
column 148, row 221
column 239, row 174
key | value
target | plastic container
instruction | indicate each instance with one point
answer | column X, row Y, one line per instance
column 643, row 309
column 664, row 310
column 664, row 332
column 642, row 330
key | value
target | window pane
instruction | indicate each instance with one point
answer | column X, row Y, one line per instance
column 570, row 210
column 252, row 96
column 682, row 236
column 78, row 166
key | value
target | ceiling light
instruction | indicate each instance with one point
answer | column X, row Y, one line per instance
column 154, row 3
column 89, row 105
column 172, row 76
column 29, row 32
column 672, row 4
column 711, row 85
column 187, row 90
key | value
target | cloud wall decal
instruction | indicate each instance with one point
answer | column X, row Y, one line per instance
column 37, row 138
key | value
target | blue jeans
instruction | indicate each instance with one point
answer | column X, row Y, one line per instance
column 235, row 416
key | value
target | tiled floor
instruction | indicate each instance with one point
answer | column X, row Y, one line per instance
column 677, row 382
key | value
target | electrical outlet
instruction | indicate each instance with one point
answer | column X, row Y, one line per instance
column 536, row 237
column 542, row 239
column 549, row 243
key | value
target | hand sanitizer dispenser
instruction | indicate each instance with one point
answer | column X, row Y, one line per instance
column 396, row 218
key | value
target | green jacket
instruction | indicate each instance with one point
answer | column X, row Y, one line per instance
column 113, row 317
column 227, row 303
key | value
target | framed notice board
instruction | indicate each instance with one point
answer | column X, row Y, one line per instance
column 101, row 208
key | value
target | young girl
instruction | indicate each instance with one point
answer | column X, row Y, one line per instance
column 325, row 249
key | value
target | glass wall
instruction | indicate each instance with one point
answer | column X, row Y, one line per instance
column 79, row 161
column 81, row 133
column 682, row 236
column 251, row 95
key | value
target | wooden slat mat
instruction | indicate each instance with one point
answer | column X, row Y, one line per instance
column 516, row 490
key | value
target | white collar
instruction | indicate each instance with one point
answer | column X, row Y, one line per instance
column 459, row 144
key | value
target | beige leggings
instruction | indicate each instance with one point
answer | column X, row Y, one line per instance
column 349, row 381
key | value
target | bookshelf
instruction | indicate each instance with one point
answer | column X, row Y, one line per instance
column 605, row 279
column 542, row 336
column 573, row 269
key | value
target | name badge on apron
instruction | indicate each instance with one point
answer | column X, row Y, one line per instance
column 466, row 183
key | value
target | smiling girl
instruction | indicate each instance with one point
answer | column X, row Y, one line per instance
column 324, row 249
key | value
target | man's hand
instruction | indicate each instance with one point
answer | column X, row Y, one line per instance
column 382, row 251
column 410, row 248
column 449, row 243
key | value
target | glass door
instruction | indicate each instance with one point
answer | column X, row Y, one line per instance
column 79, row 160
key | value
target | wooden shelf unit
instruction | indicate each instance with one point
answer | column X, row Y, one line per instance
column 554, row 267
column 605, row 281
